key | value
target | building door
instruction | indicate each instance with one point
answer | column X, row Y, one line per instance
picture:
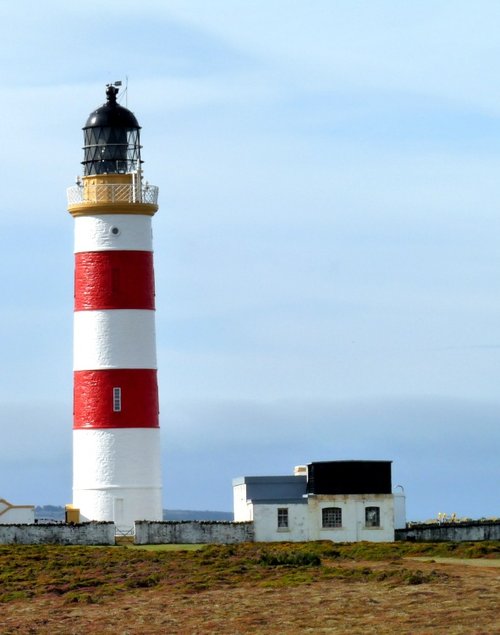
column 118, row 511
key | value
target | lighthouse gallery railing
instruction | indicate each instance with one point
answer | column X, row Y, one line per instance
column 113, row 193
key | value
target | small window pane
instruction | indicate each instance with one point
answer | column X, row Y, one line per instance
column 117, row 399
column 332, row 517
column 283, row 518
column 372, row 516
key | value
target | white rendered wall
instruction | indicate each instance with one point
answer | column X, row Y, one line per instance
column 384, row 533
column 399, row 510
column 17, row 515
column 94, row 233
column 305, row 521
column 265, row 517
column 102, row 339
column 242, row 509
column 353, row 518
column 117, row 474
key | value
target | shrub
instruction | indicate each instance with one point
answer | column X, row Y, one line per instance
column 290, row 559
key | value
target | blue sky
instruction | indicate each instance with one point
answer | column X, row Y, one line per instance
column 327, row 262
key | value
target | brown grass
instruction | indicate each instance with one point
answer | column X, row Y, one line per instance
column 253, row 588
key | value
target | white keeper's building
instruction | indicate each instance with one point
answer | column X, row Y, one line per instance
column 342, row 501
column 11, row 514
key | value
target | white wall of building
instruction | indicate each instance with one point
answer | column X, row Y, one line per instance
column 242, row 508
column 16, row 514
column 265, row 517
column 305, row 520
column 353, row 509
column 399, row 510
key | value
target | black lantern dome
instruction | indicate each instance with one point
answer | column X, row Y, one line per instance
column 111, row 138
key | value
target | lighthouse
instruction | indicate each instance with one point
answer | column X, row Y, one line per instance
column 116, row 435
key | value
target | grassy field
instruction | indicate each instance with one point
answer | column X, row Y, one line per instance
column 282, row 588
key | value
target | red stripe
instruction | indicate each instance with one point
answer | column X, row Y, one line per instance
column 93, row 399
column 114, row 280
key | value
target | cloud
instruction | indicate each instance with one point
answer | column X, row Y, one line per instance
column 421, row 49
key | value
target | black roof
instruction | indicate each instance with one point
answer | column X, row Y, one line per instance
column 349, row 477
column 111, row 114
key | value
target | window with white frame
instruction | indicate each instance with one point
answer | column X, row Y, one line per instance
column 117, row 399
column 282, row 517
column 372, row 516
column 331, row 517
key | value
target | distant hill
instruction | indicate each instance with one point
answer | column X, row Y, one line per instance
column 56, row 512
column 49, row 512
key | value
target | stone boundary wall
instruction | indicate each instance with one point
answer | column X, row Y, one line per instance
column 453, row 532
column 58, row 534
column 192, row 532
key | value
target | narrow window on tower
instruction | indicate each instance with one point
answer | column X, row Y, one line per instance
column 117, row 399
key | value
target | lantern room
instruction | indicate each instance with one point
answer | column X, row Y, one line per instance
column 112, row 175
column 111, row 138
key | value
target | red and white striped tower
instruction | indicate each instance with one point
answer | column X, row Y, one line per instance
column 116, row 435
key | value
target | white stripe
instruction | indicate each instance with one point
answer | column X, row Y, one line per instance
column 116, row 457
column 113, row 232
column 138, row 504
column 117, row 464
column 117, row 338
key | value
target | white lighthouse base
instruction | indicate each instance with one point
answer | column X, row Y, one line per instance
column 117, row 475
